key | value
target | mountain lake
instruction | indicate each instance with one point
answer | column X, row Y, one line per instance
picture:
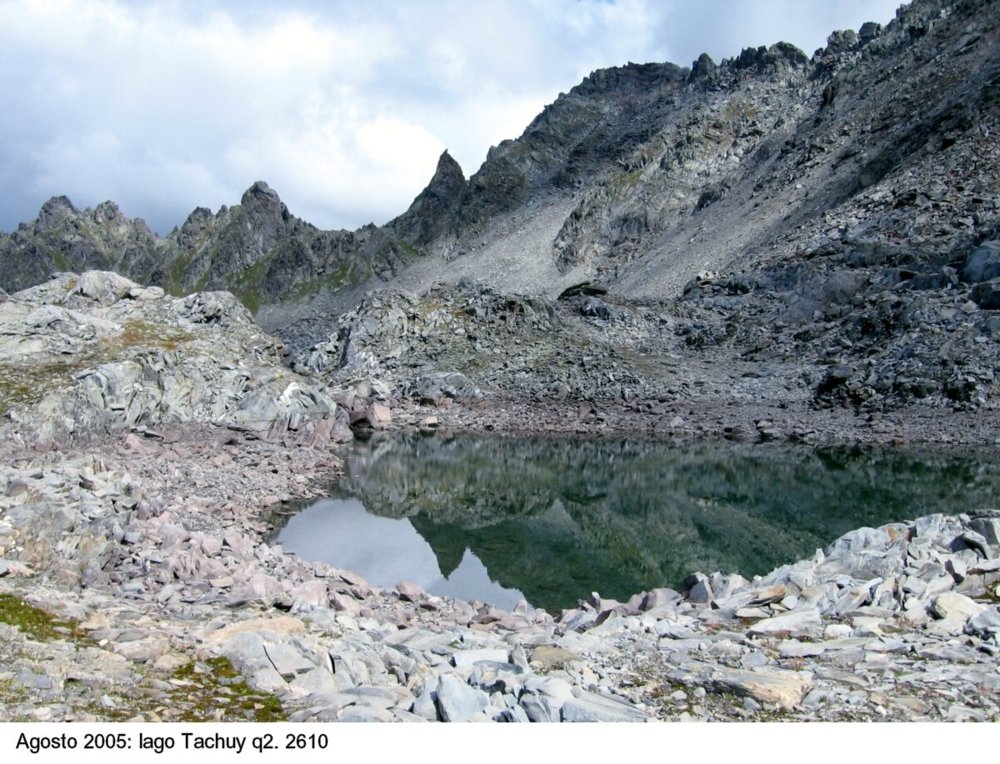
column 550, row 520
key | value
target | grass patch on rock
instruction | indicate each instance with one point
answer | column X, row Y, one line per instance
column 28, row 382
column 213, row 690
column 32, row 621
column 138, row 333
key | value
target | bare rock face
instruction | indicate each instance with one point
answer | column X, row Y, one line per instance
column 434, row 213
column 90, row 354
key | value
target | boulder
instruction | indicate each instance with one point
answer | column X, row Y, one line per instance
column 983, row 264
column 987, row 294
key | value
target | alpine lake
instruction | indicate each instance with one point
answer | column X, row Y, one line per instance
column 497, row 519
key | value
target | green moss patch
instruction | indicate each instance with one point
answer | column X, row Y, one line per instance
column 32, row 621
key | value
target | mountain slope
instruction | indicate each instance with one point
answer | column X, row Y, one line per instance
column 639, row 177
column 774, row 206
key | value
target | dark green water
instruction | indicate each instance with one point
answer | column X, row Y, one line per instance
column 495, row 519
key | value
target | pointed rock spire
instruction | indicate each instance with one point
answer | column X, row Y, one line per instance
column 434, row 210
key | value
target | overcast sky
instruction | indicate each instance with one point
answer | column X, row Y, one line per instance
column 342, row 107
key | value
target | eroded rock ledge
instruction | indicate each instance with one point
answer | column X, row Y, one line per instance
column 154, row 547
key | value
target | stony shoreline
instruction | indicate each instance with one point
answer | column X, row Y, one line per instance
column 149, row 552
column 704, row 419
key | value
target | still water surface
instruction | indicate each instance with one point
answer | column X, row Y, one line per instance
column 551, row 520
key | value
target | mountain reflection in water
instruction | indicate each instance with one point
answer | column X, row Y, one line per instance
column 488, row 518
column 387, row 550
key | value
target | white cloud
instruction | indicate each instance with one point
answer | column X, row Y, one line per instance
column 342, row 108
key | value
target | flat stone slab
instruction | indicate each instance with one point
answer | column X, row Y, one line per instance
column 456, row 701
column 418, row 639
column 469, row 658
column 587, row 706
column 784, row 688
column 364, row 714
column 550, row 656
column 288, row 661
column 797, row 623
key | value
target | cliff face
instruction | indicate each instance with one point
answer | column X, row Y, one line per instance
column 814, row 193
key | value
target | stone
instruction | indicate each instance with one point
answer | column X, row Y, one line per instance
column 804, row 622
column 469, row 658
column 767, row 595
column 548, row 657
column 700, row 590
column 438, row 387
column 410, row 592
column 246, row 652
column 308, row 595
column 344, row 603
column 851, row 599
column 954, row 610
column 515, row 714
column 385, row 697
column 425, row 705
column 142, row 650
column 587, row 706
column 989, row 529
column 987, row 295
column 379, row 416
column 259, row 586
column 773, row 686
column 287, row 660
column 457, row 701
column 658, row 598
column 983, row 264
column 356, row 713
column 317, row 681
column 792, row 648
column 986, row 622
column 496, row 677
column 951, row 605
column 284, row 625
column 170, row 662
column 539, row 708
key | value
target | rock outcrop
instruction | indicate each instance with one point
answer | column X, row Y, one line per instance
column 87, row 355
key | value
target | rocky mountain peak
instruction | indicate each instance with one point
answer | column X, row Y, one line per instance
column 108, row 212
column 771, row 59
column 631, row 77
column 197, row 219
column 702, row 69
column 260, row 195
column 54, row 211
column 433, row 212
column 448, row 171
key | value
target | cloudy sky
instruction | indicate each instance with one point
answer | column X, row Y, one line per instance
column 342, row 107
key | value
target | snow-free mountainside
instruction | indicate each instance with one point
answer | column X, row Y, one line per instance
column 775, row 247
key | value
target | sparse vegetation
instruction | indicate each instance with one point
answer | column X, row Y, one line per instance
column 213, row 690
column 28, row 382
column 33, row 622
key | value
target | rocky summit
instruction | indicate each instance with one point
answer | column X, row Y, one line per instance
column 773, row 247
